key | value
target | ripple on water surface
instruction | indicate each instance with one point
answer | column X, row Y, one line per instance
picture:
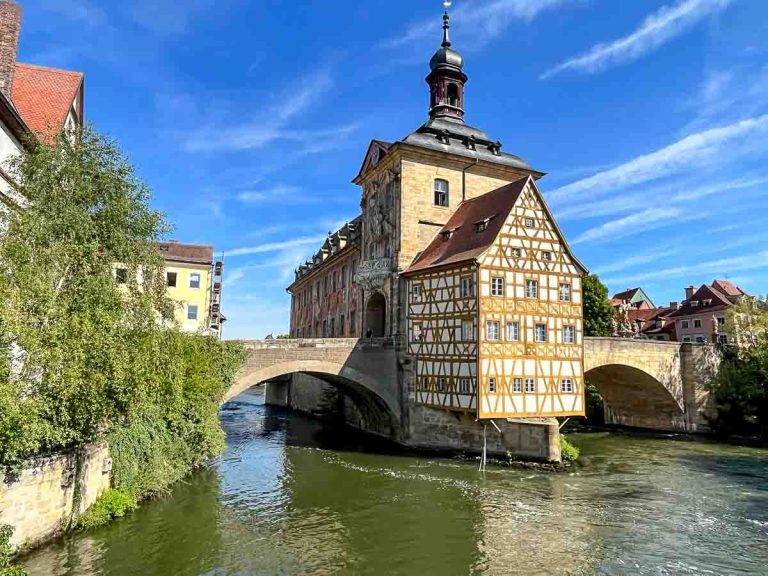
column 291, row 497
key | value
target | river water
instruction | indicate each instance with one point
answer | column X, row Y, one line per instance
column 291, row 496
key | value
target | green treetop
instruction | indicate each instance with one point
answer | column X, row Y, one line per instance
column 598, row 312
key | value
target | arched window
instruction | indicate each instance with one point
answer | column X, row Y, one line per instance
column 453, row 95
column 441, row 192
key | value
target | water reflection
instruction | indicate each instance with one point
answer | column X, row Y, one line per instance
column 290, row 496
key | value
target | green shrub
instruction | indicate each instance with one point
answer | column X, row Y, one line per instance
column 7, row 567
column 568, row 452
column 110, row 505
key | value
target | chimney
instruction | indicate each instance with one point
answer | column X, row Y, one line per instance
column 689, row 292
column 10, row 28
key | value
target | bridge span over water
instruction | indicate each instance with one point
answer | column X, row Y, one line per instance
column 643, row 383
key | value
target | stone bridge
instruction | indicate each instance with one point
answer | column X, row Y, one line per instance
column 366, row 370
column 651, row 384
column 644, row 383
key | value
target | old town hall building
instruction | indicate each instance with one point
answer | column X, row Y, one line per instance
column 457, row 258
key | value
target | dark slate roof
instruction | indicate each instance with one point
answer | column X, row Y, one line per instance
column 627, row 295
column 465, row 242
column 178, row 252
column 455, row 137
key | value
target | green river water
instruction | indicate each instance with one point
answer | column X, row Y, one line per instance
column 291, row 496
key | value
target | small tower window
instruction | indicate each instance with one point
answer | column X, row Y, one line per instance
column 453, row 95
column 441, row 192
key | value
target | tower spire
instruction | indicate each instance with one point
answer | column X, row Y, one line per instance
column 446, row 79
column 446, row 25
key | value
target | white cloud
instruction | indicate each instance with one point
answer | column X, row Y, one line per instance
column 679, row 193
column 657, row 29
column 274, row 246
column 719, row 268
column 631, row 261
column 484, row 20
column 273, row 124
column 687, row 153
column 274, row 193
column 650, row 219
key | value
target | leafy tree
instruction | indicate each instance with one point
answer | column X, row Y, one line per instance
column 598, row 312
column 82, row 352
column 740, row 389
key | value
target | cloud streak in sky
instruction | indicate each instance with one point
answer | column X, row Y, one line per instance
column 274, row 246
column 484, row 20
column 683, row 155
column 657, row 29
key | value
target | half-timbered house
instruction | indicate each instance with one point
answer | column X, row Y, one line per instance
column 495, row 314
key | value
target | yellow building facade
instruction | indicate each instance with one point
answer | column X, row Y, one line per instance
column 194, row 285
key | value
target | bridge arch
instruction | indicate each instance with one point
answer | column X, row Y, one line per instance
column 380, row 413
column 633, row 397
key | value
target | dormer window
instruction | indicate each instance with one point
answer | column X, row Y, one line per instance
column 695, row 303
column 495, row 148
column 470, row 142
column 708, row 302
column 482, row 226
column 441, row 192
column 448, row 234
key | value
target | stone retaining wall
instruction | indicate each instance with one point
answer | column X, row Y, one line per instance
column 41, row 498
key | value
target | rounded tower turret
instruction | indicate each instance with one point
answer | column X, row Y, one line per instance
column 446, row 78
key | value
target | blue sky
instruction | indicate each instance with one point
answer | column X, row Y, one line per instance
column 249, row 119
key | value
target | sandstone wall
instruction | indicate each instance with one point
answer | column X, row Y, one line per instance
column 41, row 498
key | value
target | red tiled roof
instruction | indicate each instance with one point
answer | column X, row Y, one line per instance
column 44, row 96
column 465, row 241
column 178, row 252
column 719, row 302
column 728, row 288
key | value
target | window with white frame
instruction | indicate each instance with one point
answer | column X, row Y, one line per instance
column 721, row 320
column 565, row 292
column 697, row 323
column 441, row 192
column 530, row 385
column 192, row 311
column 686, row 339
column 492, row 330
column 531, row 289
column 467, row 330
column 417, row 333
column 416, row 290
column 722, row 338
column 566, row 385
column 540, row 333
column 700, row 339
column 194, row 280
column 442, row 385
column 497, row 286
column 513, row 331
column 529, row 222
column 517, row 385
column 516, row 252
column 546, row 256
column 569, row 334
column 465, row 386
column 492, row 385
column 467, row 287
column 685, row 324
